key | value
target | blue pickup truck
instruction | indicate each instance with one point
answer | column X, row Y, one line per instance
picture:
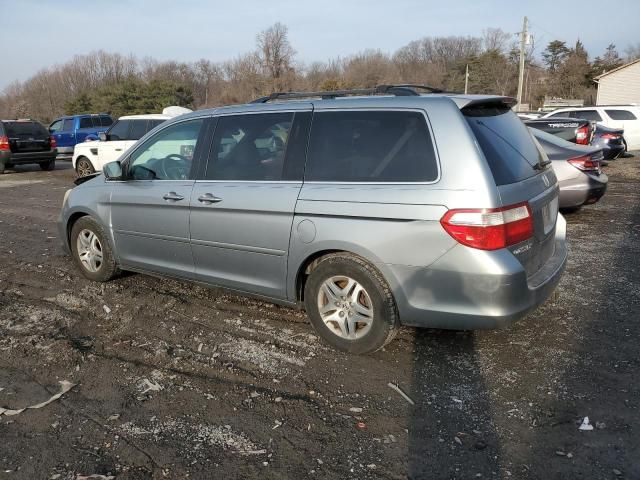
column 73, row 129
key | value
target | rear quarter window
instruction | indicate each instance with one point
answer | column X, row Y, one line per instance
column 507, row 145
column 620, row 115
column 371, row 146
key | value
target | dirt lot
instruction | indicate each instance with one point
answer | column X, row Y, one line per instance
column 179, row 381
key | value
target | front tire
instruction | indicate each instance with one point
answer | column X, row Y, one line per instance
column 350, row 305
column 91, row 251
column 84, row 167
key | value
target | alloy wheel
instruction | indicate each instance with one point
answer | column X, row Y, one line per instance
column 89, row 250
column 345, row 307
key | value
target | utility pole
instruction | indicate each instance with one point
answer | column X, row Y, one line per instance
column 466, row 80
column 523, row 41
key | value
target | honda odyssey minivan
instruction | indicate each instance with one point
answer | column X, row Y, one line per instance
column 370, row 209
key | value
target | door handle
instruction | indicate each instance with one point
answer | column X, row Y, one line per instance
column 208, row 199
column 173, row 196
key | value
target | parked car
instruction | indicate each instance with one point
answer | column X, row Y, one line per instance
column 577, row 168
column 529, row 115
column 73, row 129
column 579, row 131
column 26, row 141
column 89, row 157
column 388, row 208
column 626, row 117
column 610, row 140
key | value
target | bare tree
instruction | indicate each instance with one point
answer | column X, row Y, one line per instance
column 276, row 54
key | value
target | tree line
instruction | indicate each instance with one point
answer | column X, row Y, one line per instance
column 121, row 84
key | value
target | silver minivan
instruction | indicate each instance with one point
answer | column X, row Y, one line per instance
column 370, row 209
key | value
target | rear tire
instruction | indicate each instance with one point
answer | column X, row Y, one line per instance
column 84, row 167
column 91, row 251
column 47, row 166
column 350, row 304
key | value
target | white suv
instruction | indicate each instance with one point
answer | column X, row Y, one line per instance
column 90, row 157
column 614, row 116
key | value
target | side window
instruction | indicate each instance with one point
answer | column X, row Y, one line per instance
column 370, row 146
column 620, row 115
column 560, row 115
column 68, row 125
column 249, row 147
column 55, row 126
column 592, row 115
column 120, row 130
column 85, row 122
column 153, row 124
column 138, row 129
column 167, row 155
column 106, row 121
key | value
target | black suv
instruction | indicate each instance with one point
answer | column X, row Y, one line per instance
column 26, row 141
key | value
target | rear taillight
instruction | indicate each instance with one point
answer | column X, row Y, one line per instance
column 52, row 142
column 582, row 135
column 610, row 136
column 490, row 228
column 4, row 144
column 585, row 163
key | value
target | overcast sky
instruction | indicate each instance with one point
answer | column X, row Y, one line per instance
column 36, row 34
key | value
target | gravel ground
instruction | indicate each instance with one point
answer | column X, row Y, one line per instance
column 178, row 381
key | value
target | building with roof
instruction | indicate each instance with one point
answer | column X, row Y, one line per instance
column 620, row 86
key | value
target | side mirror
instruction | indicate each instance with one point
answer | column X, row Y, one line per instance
column 102, row 136
column 113, row 171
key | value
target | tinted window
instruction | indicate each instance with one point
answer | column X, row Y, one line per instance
column 154, row 123
column 120, row 130
column 105, row 121
column 372, row 146
column 167, row 155
column 68, row 125
column 506, row 143
column 620, row 115
column 26, row 130
column 138, row 129
column 249, row 147
column 592, row 115
column 55, row 126
column 85, row 122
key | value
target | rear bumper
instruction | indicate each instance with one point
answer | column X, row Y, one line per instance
column 582, row 190
column 65, row 150
column 28, row 157
column 468, row 289
column 613, row 151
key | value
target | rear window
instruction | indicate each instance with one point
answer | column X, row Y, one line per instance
column 620, row 115
column 505, row 141
column 25, row 130
column 371, row 146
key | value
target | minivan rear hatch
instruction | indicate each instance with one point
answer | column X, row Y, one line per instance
column 522, row 173
column 27, row 136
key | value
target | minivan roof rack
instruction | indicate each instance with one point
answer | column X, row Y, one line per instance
column 401, row 90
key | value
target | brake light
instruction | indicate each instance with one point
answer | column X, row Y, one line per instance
column 582, row 135
column 610, row 136
column 585, row 163
column 4, row 143
column 490, row 228
column 53, row 142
